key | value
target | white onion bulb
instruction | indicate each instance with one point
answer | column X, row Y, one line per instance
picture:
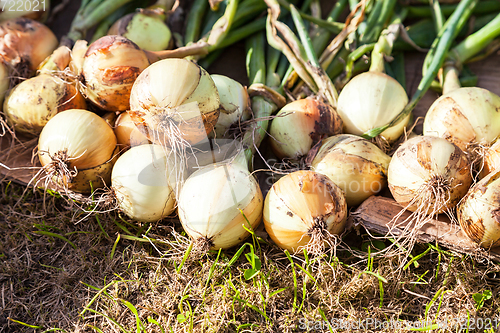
column 467, row 116
column 479, row 213
column 303, row 209
column 77, row 147
column 429, row 175
column 235, row 104
column 210, row 201
column 301, row 124
column 143, row 182
column 174, row 102
column 371, row 100
column 354, row 164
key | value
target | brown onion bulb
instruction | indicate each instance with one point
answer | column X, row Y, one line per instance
column 110, row 67
column 303, row 209
column 301, row 124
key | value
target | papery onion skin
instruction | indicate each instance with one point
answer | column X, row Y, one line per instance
column 479, row 211
column 301, row 124
column 81, row 140
column 145, row 28
column 235, row 104
column 300, row 202
column 33, row 102
column 210, row 202
column 371, row 100
column 423, row 164
column 354, row 164
column 140, row 180
column 25, row 43
column 174, row 99
column 467, row 116
column 127, row 134
column 110, row 67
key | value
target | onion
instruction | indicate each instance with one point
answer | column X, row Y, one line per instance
column 304, row 209
column 33, row 102
column 35, row 10
column 142, row 184
column 146, row 28
column 491, row 159
column 468, row 117
column 479, row 214
column 429, row 175
column 25, row 43
column 371, row 100
column 174, row 102
column 110, row 67
column 77, row 149
column 235, row 104
column 127, row 134
column 216, row 201
column 4, row 81
column 354, row 164
column 301, row 124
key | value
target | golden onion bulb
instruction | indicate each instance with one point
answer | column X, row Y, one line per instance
column 354, row 164
column 215, row 203
column 25, row 43
column 371, row 100
column 33, row 102
column 467, row 116
column 77, row 148
column 127, row 134
column 429, row 175
column 146, row 28
column 143, row 182
column 235, row 104
column 301, row 124
column 110, row 67
column 303, row 209
column 174, row 102
column 478, row 213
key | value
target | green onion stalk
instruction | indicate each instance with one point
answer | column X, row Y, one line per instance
column 433, row 63
column 468, row 116
column 91, row 13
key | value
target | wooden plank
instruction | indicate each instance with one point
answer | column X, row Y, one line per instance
column 376, row 214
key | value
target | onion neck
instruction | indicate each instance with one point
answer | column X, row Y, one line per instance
column 450, row 79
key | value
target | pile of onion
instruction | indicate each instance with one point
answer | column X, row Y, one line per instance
column 354, row 164
column 300, row 125
column 143, row 182
column 304, row 209
column 77, row 149
column 429, row 175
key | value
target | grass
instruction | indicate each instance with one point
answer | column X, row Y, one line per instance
column 107, row 273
